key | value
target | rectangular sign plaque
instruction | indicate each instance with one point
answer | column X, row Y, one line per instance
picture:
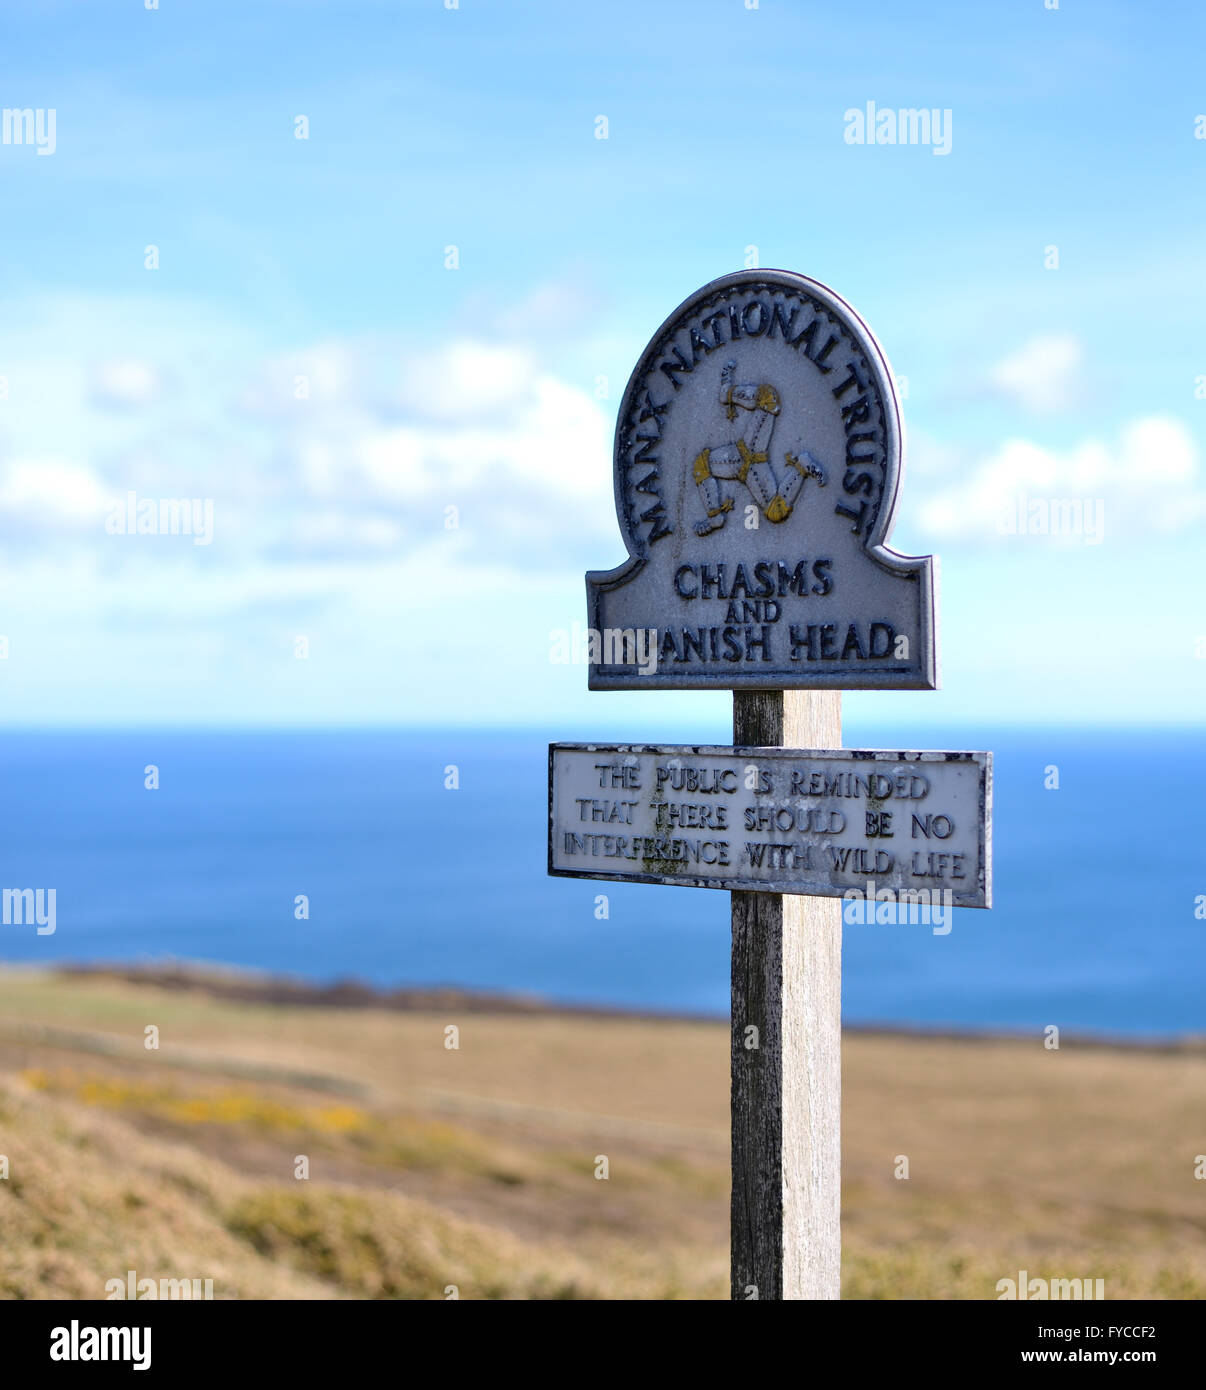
column 908, row 826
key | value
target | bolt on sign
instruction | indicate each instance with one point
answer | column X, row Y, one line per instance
column 758, row 464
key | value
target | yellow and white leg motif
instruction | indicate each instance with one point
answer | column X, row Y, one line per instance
column 716, row 504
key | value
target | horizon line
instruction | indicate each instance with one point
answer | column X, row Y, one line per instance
column 541, row 727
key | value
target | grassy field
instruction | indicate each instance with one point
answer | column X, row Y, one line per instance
column 475, row 1167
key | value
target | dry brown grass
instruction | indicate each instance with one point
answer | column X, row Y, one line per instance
column 475, row 1167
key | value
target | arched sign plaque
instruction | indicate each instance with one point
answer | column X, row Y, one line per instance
column 758, row 461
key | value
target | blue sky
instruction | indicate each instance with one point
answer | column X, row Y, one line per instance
column 492, row 387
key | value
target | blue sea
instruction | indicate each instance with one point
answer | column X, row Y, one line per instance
column 410, row 883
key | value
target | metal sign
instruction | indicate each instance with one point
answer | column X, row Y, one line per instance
column 757, row 467
column 909, row 827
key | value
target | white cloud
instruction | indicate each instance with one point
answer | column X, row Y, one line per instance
column 49, row 494
column 1147, row 479
column 481, row 426
column 1044, row 375
column 337, row 534
column 329, row 517
column 126, row 382
column 361, row 463
column 466, row 380
column 549, row 310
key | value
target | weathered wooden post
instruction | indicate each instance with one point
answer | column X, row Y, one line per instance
column 757, row 468
column 786, row 1082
